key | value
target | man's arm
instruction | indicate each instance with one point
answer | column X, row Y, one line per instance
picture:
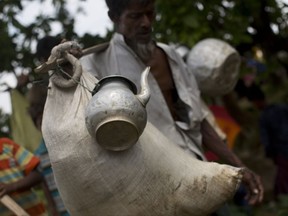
column 32, row 179
column 50, row 200
column 212, row 141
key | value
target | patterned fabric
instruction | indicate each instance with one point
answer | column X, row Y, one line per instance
column 227, row 124
column 15, row 163
column 46, row 170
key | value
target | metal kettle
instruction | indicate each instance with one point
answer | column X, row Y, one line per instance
column 115, row 115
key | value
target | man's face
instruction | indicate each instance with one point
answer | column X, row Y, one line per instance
column 135, row 23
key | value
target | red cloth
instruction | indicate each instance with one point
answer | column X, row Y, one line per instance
column 226, row 122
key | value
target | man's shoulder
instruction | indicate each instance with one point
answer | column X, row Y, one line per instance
column 96, row 49
column 170, row 51
column 165, row 47
column 90, row 54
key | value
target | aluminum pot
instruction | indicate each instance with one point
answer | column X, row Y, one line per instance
column 215, row 65
column 115, row 115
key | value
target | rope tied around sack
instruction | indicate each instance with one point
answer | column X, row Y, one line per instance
column 60, row 70
column 59, row 55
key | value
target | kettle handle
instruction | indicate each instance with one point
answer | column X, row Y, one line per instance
column 145, row 93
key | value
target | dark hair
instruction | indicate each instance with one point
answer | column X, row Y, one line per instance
column 37, row 97
column 44, row 47
column 116, row 7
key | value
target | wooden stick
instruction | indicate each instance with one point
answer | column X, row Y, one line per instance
column 45, row 67
column 13, row 206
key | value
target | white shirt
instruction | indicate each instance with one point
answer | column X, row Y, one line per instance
column 118, row 59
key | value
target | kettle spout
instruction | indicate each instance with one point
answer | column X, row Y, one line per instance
column 144, row 94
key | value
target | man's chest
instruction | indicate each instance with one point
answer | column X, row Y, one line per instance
column 161, row 70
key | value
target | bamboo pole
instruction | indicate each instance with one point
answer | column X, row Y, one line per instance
column 45, row 67
column 13, row 206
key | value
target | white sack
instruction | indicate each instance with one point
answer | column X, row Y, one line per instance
column 153, row 178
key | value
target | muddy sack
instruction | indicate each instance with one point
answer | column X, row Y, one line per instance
column 152, row 178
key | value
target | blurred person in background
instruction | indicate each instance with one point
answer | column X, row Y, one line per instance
column 18, row 175
column 274, row 136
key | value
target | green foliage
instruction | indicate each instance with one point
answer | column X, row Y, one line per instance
column 190, row 21
column 242, row 23
column 16, row 38
column 186, row 22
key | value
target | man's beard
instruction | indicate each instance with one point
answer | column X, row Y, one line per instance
column 143, row 50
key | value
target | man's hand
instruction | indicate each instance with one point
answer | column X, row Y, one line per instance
column 3, row 189
column 252, row 181
column 255, row 191
column 77, row 52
